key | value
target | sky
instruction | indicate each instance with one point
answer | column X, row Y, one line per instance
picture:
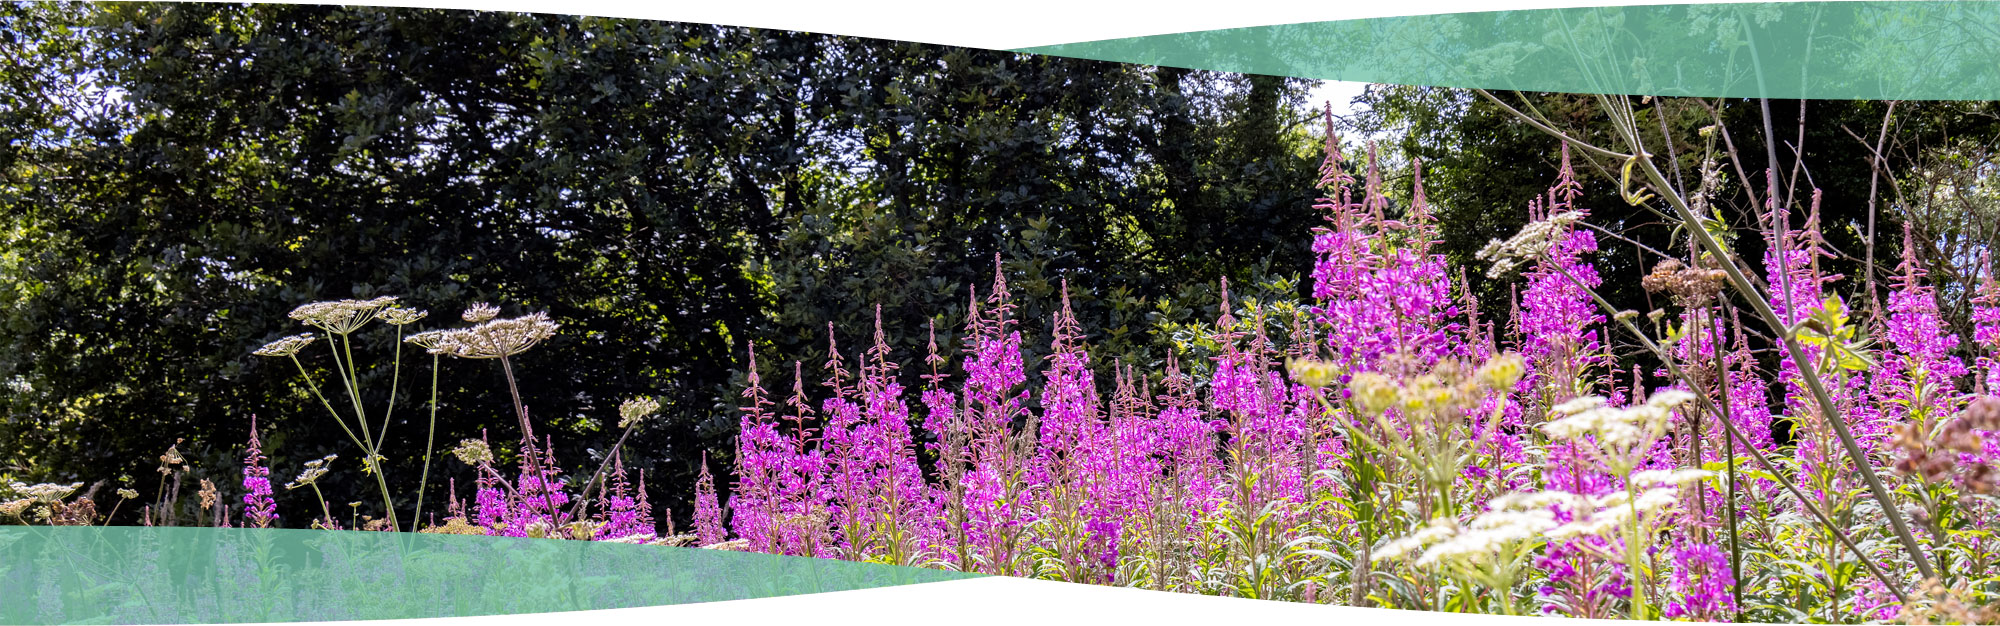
column 1340, row 93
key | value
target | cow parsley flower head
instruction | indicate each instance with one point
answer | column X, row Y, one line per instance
column 1501, row 372
column 1536, row 500
column 1579, row 405
column 1623, row 427
column 1488, row 535
column 1668, row 478
column 1313, row 373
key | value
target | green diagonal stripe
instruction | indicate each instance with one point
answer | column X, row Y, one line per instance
column 58, row 575
column 1827, row 50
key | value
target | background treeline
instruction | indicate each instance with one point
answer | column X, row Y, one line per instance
column 175, row 178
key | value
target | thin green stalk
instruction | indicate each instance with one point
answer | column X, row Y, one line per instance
column 351, row 376
column 584, row 497
column 430, row 445
column 121, row 502
column 1633, row 563
column 322, row 503
column 374, row 445
column 329, row 405
column 347, row 381
column 528, row 435
column 1729, row 447
column 395, row 384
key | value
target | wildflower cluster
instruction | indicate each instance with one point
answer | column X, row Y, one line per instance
column 1400, row 451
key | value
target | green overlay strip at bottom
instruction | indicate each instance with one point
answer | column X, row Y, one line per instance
column 55, row 575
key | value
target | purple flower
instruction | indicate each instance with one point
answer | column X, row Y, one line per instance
column 707, row 513
column 1700, row 583
column 258, row 507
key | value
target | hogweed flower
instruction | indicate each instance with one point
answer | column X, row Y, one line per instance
column 1439, row 529
column 341, row 317
column 1313, row 373
column 499, row 338
column 635, row 411
column 1501, row 372
column 44, row 492
column 473, row 452
column 432, row 341
column 1690, row 286
column 480, row 313
column 314, row 470
column 1623, row 427
column 287, row 346
column 127, row 493
column 1374, row 392
column 1532, row 242
column 401, row 315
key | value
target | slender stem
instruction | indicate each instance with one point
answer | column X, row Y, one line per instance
column 1633, row 563
column 1694, row 442
column 329, row 405
column 347, row 379
column 1551, row 130
column 322, row 504
column 1680, row 185
column 528, row 435
column 520, row 410
column 121, row 502
column 350, row 376
column 1729, row 447
column 1875, row 163
column 430, row 446
column 577, row 511
column 395, row 384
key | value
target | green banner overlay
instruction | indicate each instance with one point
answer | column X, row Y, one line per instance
column 57, row 575
column 1823, row 50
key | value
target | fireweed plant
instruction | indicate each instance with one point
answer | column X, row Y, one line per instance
column 1380, row 444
